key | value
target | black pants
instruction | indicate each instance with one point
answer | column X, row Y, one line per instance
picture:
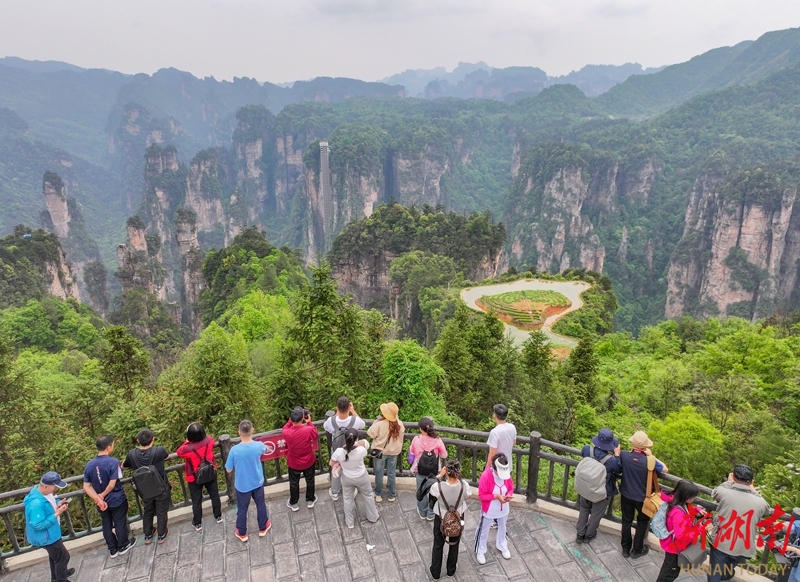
column 196, row 491
column 669, row 569
column 115, row 526
column 59, row 560
column 629, row 507
column 438, row 551
column 158, row 507
column 294, row 483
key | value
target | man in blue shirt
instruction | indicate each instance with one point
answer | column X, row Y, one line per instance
column 101, row 482
column 244, row 460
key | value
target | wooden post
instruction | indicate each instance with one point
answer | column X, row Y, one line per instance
column 533, row 467
column 225, row 448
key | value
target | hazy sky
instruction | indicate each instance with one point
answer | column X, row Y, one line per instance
column 286, row 40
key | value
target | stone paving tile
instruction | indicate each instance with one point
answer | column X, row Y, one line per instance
column 315, row 545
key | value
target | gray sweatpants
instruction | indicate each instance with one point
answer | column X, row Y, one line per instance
column 589, row 516
column 364, row 487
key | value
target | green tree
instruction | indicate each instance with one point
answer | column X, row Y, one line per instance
column 333, row 348
column 581, row 368
column 124, row 363
column 413, row 380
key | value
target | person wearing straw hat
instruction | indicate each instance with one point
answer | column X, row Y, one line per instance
column 605, row 450
column 43, row 524
column 387, row 442
column 632, row 493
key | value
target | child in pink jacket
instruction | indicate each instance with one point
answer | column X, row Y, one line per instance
column 495, row 490
column 683, row 526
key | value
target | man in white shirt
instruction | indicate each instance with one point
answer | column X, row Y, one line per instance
column 503, row 437
column 336, row 426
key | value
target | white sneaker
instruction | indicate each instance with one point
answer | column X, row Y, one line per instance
column 481, row 558
column 334, row 496
column 506, row 554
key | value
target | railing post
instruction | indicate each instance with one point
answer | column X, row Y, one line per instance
column 225, row 449
column 328, row 414
column 533, row 467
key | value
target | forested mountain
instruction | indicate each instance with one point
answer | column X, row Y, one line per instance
column 186, row 168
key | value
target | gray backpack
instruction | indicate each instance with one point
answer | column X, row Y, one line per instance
column 590, row 477
column 337, row 436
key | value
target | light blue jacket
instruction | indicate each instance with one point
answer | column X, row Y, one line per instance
column 41, row 523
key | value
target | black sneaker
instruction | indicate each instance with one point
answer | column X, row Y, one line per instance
column 637, row 555
column 626, row 553
column 113, row 553
column 579, row 539
column 124, row 550
column 589, row 540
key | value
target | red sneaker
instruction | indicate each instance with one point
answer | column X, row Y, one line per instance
column 263, row 532
column 241, row 536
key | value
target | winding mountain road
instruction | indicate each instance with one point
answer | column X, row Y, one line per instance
column 571, row 289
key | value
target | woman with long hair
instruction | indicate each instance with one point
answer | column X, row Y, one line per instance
column 682, row 525
column 387, row 439
column 199, row 447
column 354, row 476
column 495, row 490
column 450, row 490
column 424, row 455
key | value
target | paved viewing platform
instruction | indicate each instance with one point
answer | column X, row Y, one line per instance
column 315, row 545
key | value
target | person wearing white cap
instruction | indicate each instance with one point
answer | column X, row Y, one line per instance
column 43, row 524
column 495, row 490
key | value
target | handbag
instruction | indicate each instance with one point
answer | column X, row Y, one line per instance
column 652, row 496
column 694, row 555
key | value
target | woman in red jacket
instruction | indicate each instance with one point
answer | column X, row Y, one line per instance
column 194, row 450
column 681, row 524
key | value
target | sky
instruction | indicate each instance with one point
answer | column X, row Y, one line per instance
column 287, row 40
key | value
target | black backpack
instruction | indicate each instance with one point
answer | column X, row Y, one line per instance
column 428, row 464
column 147, row 481
column 337, row 436
column 206, row 472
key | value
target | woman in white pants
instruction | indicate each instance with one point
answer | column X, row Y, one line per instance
column 495, row 490
column 355, row 476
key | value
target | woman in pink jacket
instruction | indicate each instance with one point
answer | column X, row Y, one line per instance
column 681, row 524
column 495, row 490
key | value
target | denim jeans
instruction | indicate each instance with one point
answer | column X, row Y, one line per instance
column 390, row 465
column 723, row 565
column 422, row 506
column 243, row 502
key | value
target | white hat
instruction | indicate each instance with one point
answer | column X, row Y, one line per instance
column 503, row 471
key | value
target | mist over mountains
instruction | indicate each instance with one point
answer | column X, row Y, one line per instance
column 640, row 181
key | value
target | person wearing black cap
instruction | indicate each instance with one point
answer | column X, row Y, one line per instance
column 605, row 451
column 43, row 526
column 300, row 435
column 736, row 496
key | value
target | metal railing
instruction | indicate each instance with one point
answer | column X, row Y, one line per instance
column 542, row 470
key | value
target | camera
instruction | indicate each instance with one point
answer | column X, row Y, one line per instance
column 306, row 413
column 375, row 454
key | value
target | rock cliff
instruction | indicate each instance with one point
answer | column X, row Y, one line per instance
column 63, row 218
column 740, row 248
column 191, row 267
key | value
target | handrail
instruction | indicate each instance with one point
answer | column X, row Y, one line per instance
column 543, row 470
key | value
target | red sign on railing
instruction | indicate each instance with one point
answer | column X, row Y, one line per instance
column 276, row 446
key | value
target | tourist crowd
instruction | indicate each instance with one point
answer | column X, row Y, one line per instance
column 442, row 493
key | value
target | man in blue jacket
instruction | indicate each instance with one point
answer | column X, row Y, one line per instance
column 43, row 525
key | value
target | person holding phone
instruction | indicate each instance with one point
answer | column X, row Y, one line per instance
column 300, row 435
column 43, row 524
column 495, row 490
